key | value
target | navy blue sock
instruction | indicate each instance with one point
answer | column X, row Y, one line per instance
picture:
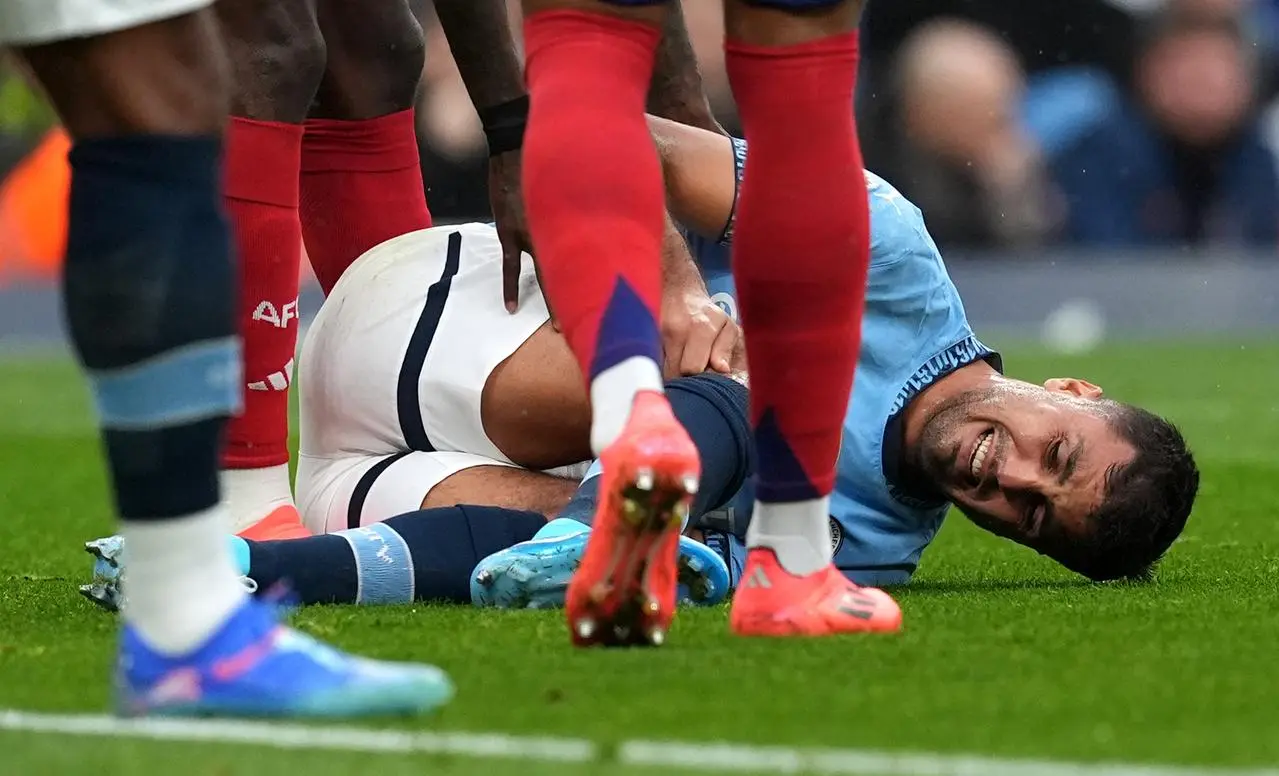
column 714, row 410
column 419, row 556
column 148, row 293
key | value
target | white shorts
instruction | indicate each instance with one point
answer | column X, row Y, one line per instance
column 393, row 369
column 30, row 22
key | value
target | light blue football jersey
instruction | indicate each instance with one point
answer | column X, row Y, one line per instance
column 914, row 332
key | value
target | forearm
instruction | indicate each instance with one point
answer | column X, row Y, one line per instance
column 479, row 35
column 679, row 269
column 700, row 171
column 676, row 91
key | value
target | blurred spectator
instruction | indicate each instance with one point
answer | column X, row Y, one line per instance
column 1183, row 159
column 454, row 158
column 1042, row 33
column 1260, row 23
column 951, row 140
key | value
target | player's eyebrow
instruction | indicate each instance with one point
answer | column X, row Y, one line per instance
column 1072, row 463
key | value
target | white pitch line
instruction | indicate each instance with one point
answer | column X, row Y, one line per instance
column 859, row 762
column 282, row 736
column 725, row 757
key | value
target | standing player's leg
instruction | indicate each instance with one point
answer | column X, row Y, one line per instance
column 147, row 288
column 800, row 257
column 361, row 173
column 148, row 292
column 277, row 58
column 595, row 204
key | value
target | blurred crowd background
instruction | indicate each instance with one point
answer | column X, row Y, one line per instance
column 1017, row 126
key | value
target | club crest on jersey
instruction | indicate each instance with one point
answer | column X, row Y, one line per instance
column 836, row 536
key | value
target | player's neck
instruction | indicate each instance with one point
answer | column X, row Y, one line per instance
column 966, row 378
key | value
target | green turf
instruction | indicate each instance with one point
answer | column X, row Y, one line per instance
column 1003, row 653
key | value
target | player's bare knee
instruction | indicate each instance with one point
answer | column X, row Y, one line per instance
column 277, row 57
column 789, row 22
column 534, row 406
column 168, row 77
column 376, row 51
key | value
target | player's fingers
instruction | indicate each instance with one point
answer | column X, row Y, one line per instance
column 510, row 272
column 724, row 347
column 697, row 346
column 674, row 328
column 672, row 355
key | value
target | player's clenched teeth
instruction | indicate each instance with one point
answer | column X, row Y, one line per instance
column 980, row 451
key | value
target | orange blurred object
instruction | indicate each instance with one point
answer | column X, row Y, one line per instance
column 33, row 210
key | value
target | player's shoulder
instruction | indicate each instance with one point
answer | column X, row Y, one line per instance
column 898, row 232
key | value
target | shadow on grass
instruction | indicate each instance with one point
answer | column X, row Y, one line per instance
column 944, row 587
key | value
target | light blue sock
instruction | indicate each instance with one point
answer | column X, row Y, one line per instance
column 240, row 553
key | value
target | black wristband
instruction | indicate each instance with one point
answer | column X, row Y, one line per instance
column 504, row 125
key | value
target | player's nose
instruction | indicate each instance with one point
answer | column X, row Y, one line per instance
column 1016, row 472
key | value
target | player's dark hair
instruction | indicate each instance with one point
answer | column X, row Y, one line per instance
column 1146, row 501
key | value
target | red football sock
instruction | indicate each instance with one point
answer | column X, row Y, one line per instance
column 593, row 184
column 800, row 255
column 262, row 204
column 361, row 186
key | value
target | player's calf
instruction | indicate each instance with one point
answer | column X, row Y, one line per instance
column 792, row 65
column 361, row 173
column 588, row 69
column 148, row 294
column 278, row 57
column 147, row 285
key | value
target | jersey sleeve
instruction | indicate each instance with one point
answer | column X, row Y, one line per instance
column 897, row 226
column 739, row 169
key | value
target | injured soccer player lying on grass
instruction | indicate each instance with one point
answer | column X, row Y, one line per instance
column 444, row 441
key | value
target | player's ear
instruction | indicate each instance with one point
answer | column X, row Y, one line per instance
column 1073, row 386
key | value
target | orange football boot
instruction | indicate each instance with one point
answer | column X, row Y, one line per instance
column 770, row 601
column 623, row 593
column 283, row 522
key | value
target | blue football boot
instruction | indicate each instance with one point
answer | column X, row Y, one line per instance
column 255, row 667
column 535, row 574
column 108, row 568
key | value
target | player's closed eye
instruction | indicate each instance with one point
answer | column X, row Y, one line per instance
column 1052, row 453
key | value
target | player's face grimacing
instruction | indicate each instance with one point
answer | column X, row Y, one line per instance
column 1026, row 462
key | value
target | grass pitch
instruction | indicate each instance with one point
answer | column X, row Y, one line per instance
column 1003, row 654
